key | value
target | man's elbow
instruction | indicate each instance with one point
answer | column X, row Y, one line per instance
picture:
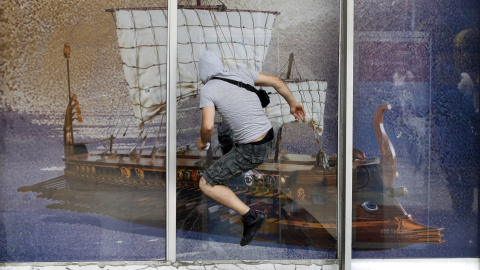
column 277, row 82
column 207, row 129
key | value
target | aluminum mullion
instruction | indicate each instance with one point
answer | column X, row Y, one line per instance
column 171, row 219
column 345, row 135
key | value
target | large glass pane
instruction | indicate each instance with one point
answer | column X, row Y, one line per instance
column 82, row 167
column 296, row 187
column 416, row 104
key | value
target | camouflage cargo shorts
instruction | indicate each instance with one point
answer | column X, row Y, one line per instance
column 242, row 158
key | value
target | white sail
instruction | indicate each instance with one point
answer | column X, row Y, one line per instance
column 240, row 37
column 311, row 94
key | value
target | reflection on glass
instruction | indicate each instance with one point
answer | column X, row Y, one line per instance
column 419, row 60
column 295, row 187
column 114, row 176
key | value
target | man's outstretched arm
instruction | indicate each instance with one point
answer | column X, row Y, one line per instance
column 268, row 80
column 206, row 130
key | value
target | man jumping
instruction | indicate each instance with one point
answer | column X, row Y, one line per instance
column 251, row 129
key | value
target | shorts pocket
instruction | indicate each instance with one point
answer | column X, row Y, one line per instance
column 233, row 165
column 236, row 173
column 216, row 170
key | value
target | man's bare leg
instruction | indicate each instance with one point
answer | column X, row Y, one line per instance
column 224, row 196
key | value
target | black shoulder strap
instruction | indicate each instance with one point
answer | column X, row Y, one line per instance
column 237, row 83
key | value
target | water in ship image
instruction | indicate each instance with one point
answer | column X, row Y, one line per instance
column 297, row 191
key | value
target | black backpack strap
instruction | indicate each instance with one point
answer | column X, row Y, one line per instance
column 262, row 94
column 237, row 83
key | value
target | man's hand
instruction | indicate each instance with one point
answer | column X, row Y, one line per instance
column 201, row 145
column 297, row 110
column 357, row 154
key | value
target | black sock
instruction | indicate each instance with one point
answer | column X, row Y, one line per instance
column 250, row 216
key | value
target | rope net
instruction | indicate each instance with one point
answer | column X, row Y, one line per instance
column 312, row 96
column 240, row 37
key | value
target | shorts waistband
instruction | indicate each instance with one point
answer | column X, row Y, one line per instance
column 265, row 139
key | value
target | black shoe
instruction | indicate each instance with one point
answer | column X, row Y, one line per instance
column 251, row 229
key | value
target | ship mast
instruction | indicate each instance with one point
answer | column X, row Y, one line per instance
column 279, row 132
column 66, row 54
column 290, row 64
column 68, row 128
column 73, row 108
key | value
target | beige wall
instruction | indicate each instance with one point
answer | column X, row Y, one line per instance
column 33, row 33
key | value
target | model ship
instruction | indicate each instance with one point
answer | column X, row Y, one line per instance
column 298, row 192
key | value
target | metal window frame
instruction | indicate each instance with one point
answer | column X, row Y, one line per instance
column 171, row 153
column 345, row 135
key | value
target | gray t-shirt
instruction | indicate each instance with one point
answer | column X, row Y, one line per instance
column 240, row 108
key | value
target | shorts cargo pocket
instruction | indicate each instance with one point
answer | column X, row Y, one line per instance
column 233, row 171
column 216, row 170
column 236, row 173
column 232, row 165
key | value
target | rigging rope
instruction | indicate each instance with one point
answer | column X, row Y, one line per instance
column 240, row 37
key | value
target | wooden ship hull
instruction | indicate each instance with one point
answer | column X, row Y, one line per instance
column 298, row 193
